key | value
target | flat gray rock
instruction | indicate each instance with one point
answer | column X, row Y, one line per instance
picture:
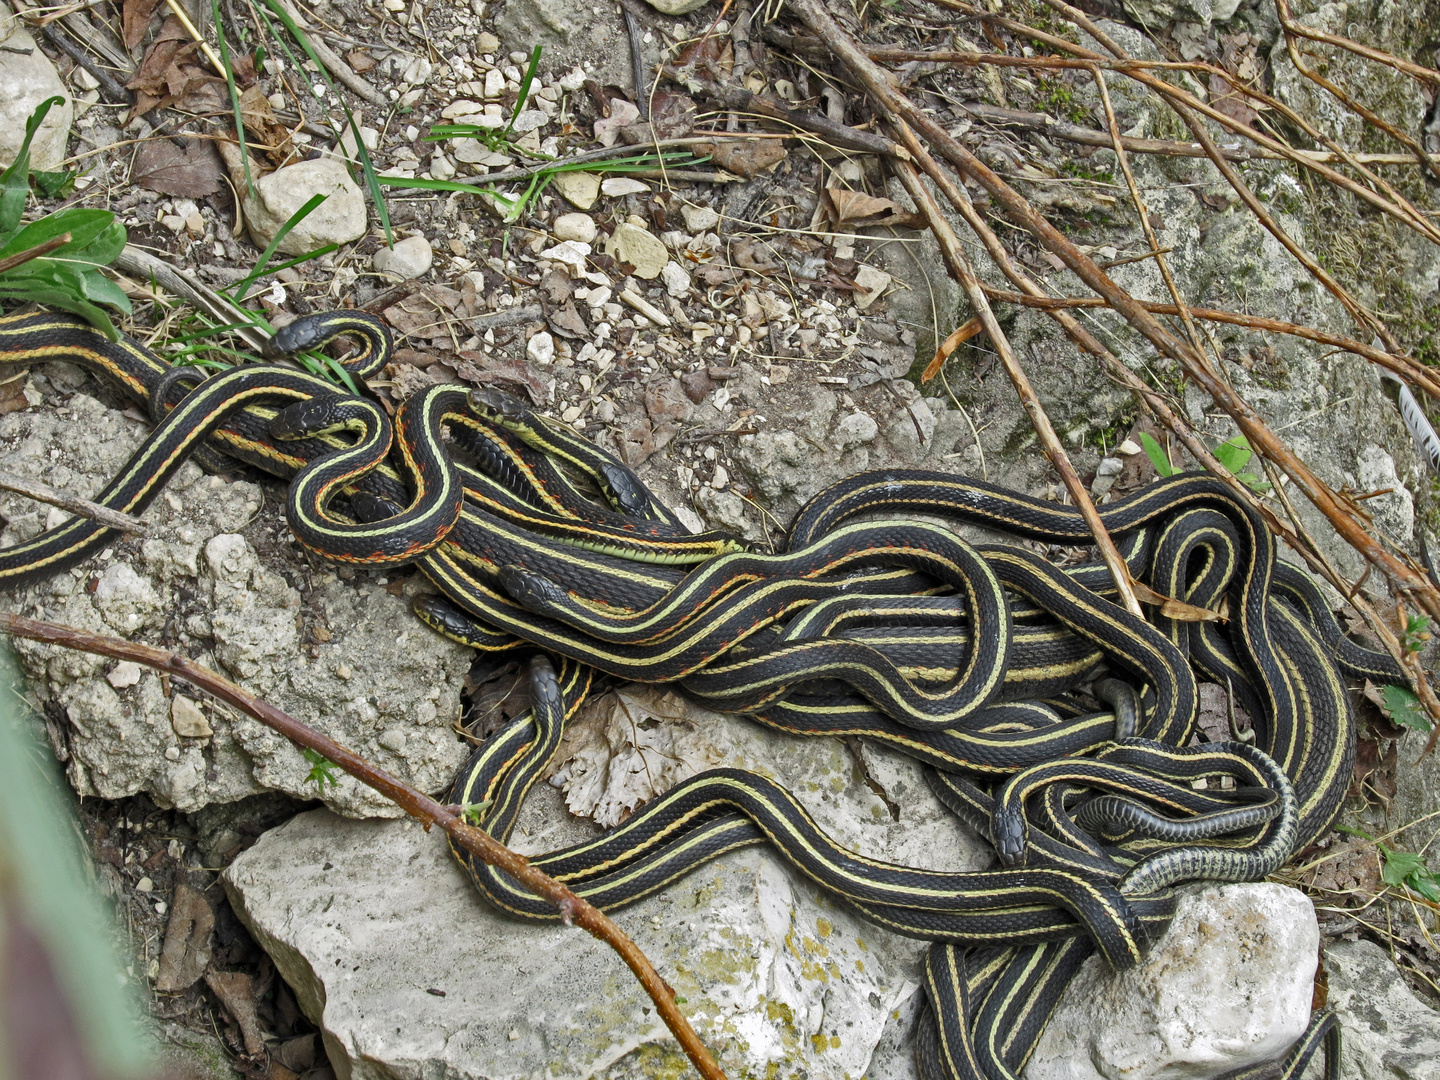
column 1386, row 1031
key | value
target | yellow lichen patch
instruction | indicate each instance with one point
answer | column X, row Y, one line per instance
column 824, row 927
column 860, row 966
column 814, row 947
column 861, row 943
column 809, row 969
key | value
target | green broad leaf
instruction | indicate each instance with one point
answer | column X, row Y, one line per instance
column 1156, row 453
column 83, row 224
column 102, row 290
column 1399, row 865
column 55, row 185
column 1404, row 708
column 58, row 296
column 1253, row 482
column 104, row 249
column 1426, row 885
column 1234, row 453
column 15, row 181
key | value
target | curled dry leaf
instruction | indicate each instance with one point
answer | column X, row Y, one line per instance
column 506, row 373
column 746, row 157
column 262, row 126
column 191, row 173
column 855, row 209
column 961, row 334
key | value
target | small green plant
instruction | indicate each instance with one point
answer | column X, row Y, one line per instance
column 322, row 771
column 1405, row 868
column 1233, row 454
column 471, row 812
column 67, row 274
column 1401, row 868
column 1416, row 634
column 1157, row 455
column 496, row 139
column 1404, row 708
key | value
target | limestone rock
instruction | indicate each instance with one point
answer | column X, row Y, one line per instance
column 27, row 77
column 677, row 7
column 579, row 227
column 198, row 584
column 1386, row 1031
column 341, row 218
column 409, row 258
column 580, row 188
column 639, row 247
column 1229, row 985
column 779, row 980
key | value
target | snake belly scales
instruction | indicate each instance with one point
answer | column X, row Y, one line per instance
column 1052, row 721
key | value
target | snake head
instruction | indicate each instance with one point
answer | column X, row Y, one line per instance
column 303, row 418
column 370, row 508
column 302, row 334
column 487, row 402
column 1008, row 832
column 626, row 489
column 534, row 591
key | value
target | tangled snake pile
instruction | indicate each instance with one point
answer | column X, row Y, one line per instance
column 1055, row 723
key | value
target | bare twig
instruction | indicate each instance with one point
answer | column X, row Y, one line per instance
column 22, row 257
column 1405, row 576
column 40, row 492
column 133, row 260
column 572, row 908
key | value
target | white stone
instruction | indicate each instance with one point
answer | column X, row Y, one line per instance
column 571, row 254
column 677, row 281
column 622, row 114
column 1386, row 1031
column 529, row 120
column 854, row 429
column 27, row 77
column 125, row 673
column 541, row 348
column 341, row 218
column 579, row 227
column 872, row 283
column 615, row 186
column 494, row 84
column 699, row 219
column 1228, row 986
column 779, row 980
column 639, row 247
column 580, row 188
column 409, row 258
column 572, row 80
column 188, row 719
column 677, row 7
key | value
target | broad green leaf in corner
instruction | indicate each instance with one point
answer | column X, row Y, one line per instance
column 1404, row 708
column 1156, row 453
column 1234, row 453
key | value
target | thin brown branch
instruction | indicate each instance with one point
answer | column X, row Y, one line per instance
column 1405, row 367
column 960, row 269
column 337, row 67
column 20, row 258
column 573, row 909
column 34, row 489
column 1404, row 212
column 1424, row 74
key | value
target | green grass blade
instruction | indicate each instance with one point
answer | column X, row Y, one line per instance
column 234, row 94
column 524, row 91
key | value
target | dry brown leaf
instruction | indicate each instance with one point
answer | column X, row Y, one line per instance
column 360, row 60
column 262, row 126
column 1175, row 609
column 958, row 337
column 508, row 374
column 853, row 209
column 12, row 394
column 236, row 993
column 191, row 173
column 747, row 157
column 135, row 21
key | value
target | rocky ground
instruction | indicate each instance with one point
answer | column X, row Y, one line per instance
column 743, row 330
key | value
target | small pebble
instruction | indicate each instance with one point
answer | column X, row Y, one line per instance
column 145, row 885
column 541, row 348
column 580, row 227
column 409, row 258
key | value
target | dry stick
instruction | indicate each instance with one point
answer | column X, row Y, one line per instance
column 1405, row 367
column 573, row 909
column 1368, row 52
column 1262, row 439
column 22, row 257
column 34, row 489
column 960, row 269
column 1059, row 129
column 1287, row 23
column 1150, row 238
column 1152, row 399
column 133, row 260
column 1405, row 212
